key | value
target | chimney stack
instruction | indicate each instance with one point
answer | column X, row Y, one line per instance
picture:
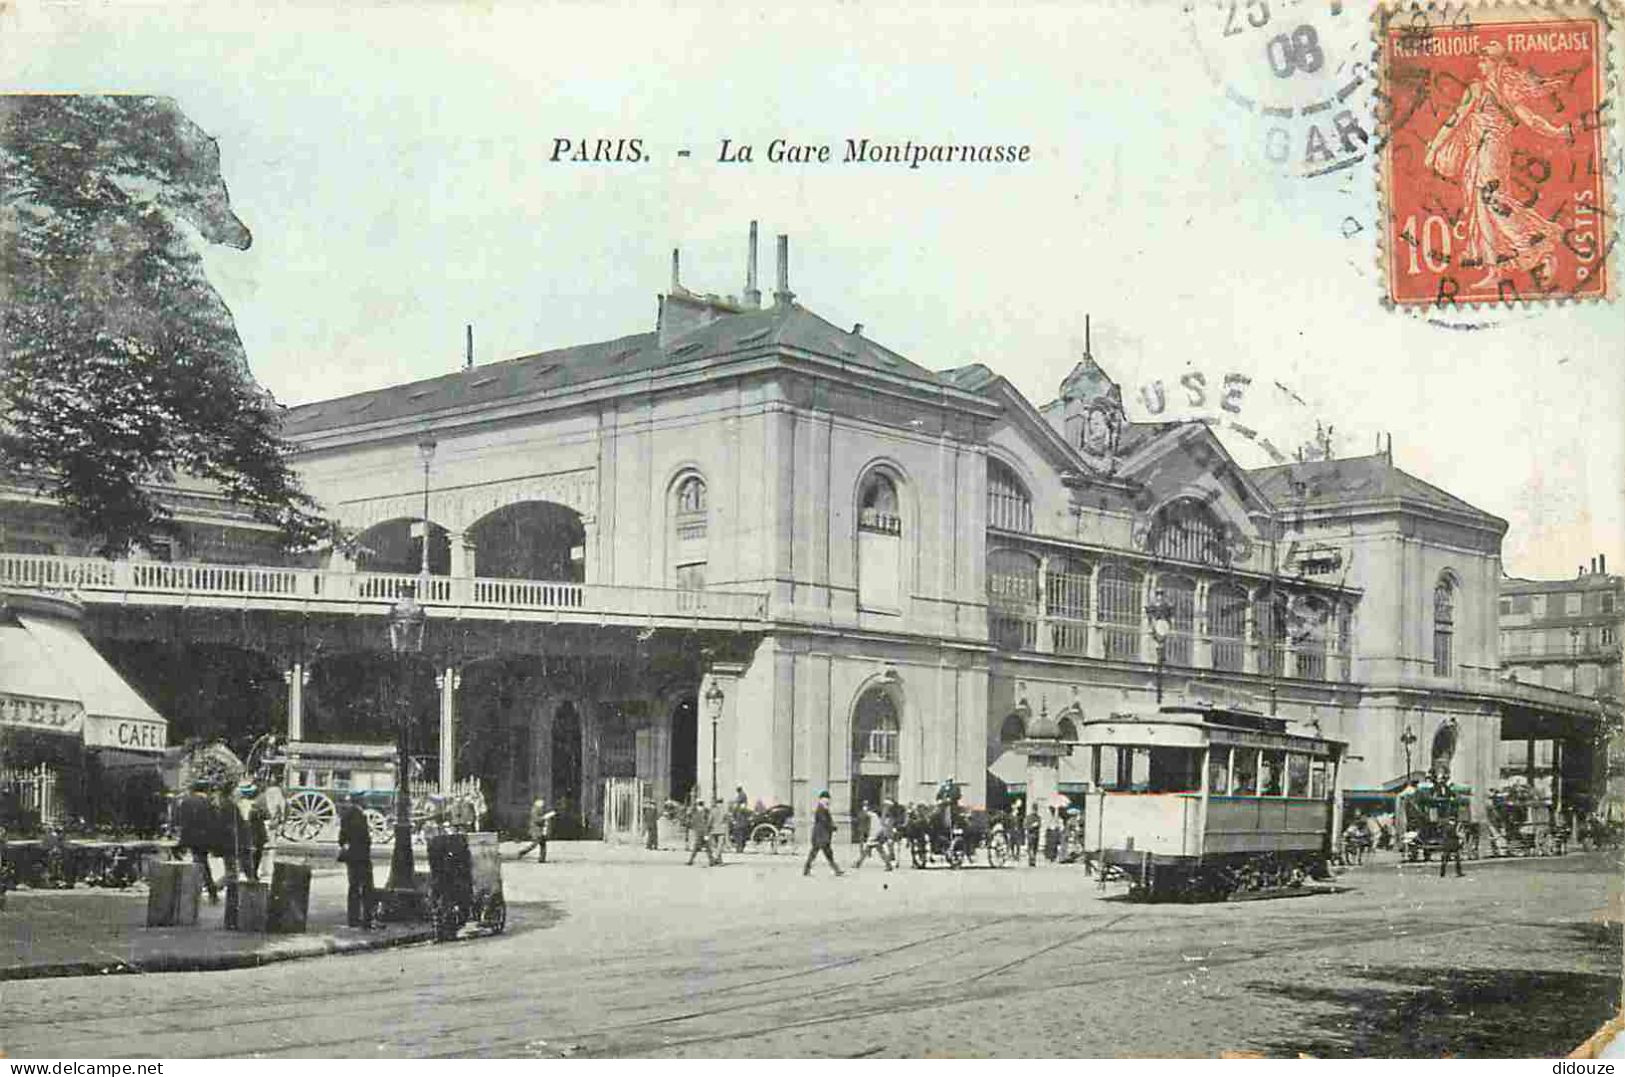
column 468, row 355
column 675, row 286
column 1593, row 566
column 784, row 296
column 1602, row 563
column 753, row 294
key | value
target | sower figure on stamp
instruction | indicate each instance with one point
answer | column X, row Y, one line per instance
column 1474, row 148
column 355, row 851
column 823, row 835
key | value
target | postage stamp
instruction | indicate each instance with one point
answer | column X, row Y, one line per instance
column 1494, row 164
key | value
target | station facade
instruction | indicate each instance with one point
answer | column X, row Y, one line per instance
column 928, row 561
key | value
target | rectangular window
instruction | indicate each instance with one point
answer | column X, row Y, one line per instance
column 1571, row 604
column 1608, row 602
column 1520, row 603
column 1297, row 774
column 1273, row 778
column 691, row 577
column 1218, row 771
column 1320, row 773
column 1537, row 605
column 1246, row 777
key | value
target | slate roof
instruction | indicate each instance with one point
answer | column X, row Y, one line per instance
column 794, row 328
column 1355, row 479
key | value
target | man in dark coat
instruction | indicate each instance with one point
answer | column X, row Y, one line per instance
column 252, row 835
column 541, row 828
column 651, row 824
column 823, row 835
column 700, row 824
column 355, row 850
column 196, row 819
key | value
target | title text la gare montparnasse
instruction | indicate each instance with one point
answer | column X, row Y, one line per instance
column 782, row 151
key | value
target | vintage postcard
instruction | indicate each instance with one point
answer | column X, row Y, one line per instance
column 821, row 531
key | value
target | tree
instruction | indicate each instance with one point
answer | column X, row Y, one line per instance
column 120, row 365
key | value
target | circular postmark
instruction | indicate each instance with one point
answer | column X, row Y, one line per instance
column 1298, row 70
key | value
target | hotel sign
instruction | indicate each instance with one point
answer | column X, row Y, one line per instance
column 44, row 715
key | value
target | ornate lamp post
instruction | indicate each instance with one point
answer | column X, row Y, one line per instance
column 1408, row 738
column 713, row 707
column 1159, row 611
column 406, row 621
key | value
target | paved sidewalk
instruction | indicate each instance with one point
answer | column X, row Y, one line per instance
column 88, row 932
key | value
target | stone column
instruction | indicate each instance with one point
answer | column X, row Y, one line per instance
column 1044, row 644
column 1096, row 646
column 296, row 676
column 1202, row 645
column 1148, row 641
column 1249, row 632
column 448, row 681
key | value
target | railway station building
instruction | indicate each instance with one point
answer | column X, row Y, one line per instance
column 746, row 546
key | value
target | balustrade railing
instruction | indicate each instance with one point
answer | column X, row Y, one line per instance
column 90, row 576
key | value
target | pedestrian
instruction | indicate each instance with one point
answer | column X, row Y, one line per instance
column 195, row 822
column 1035, row 827
column 462, row 815
column 699, row 828
column 823, row 835
column 253, row 835
column 355, row 852
column 717, row 833
column 1052, row 834
column 541, row 828
column 877, row 837
column 651, row 825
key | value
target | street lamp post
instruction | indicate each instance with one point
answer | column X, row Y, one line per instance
column 1408, row 738
column 713, row 707
column 406, row 621
column 1159, row 611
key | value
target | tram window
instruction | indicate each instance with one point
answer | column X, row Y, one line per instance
column 1317, row 779
column 1175, row 770
column 1135, row 764
column 1297, row 775
column 1274, row 765
column 1218, row 771
column 1246, row 778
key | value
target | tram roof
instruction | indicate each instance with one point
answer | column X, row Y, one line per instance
column 1267, row 731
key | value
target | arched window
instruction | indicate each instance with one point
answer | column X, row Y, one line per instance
column 876, row 727
column 1012, row 599
column 1312, row 618
column 1009, row 506
column 1270, row 616
column 1068, row 730
column 1227, row 625
column 1014, row 728
column 1187, row 530
column 1180, row 594
column 1121, row 610
column 689, row 523
column 1444, row 627
column 877, row 506
column 880, row 547
column 1066, row 600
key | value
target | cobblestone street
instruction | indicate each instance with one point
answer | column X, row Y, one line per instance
column 621, row 952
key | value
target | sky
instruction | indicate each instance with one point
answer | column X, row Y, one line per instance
column 394, row 165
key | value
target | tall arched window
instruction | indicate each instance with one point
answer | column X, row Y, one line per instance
column 1180, row 594
column 1008, row 504
column 1444, row 627
column 1312, row 616
column 1187, row 530
column 880, row 542
column 1227, row 625
column 1121, row 610
column 689, row 525
column 876, row 732
column 1066, row 600
column 1012, row 599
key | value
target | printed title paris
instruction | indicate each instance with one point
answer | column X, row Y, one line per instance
column 781, row 151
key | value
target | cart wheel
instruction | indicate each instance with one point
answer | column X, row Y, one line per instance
column 956, row 853
column 496, row 914
column 997, row 852
column 308, row 815
column 765, row 836
column 917, row 852
column 378, row 824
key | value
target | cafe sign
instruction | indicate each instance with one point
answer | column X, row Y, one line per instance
column 130, row 734
column 42, row 715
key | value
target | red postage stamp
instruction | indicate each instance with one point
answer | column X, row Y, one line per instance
column 1494, row 166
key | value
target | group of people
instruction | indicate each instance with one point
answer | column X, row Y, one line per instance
column 228, row 824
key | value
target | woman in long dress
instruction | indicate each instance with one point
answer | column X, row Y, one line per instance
column 1474, row 148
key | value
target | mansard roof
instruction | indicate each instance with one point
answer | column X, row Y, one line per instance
column 789, row 327
column 1360, row 480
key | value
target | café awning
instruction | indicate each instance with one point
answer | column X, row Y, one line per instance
column 53, row 681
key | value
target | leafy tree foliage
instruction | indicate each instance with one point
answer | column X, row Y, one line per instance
column 121, row 366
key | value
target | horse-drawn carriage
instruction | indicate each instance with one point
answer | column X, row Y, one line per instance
column 764, row 830
column 1524, row 826
column 314, row 778
column 1437, row 819
column 947, row 833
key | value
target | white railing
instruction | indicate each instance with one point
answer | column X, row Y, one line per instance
column 37, row 789
column 92, row 576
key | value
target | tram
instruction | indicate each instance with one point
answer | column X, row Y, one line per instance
column 1202, row 802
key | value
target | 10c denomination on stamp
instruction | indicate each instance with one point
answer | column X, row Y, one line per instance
column 1494, row 161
